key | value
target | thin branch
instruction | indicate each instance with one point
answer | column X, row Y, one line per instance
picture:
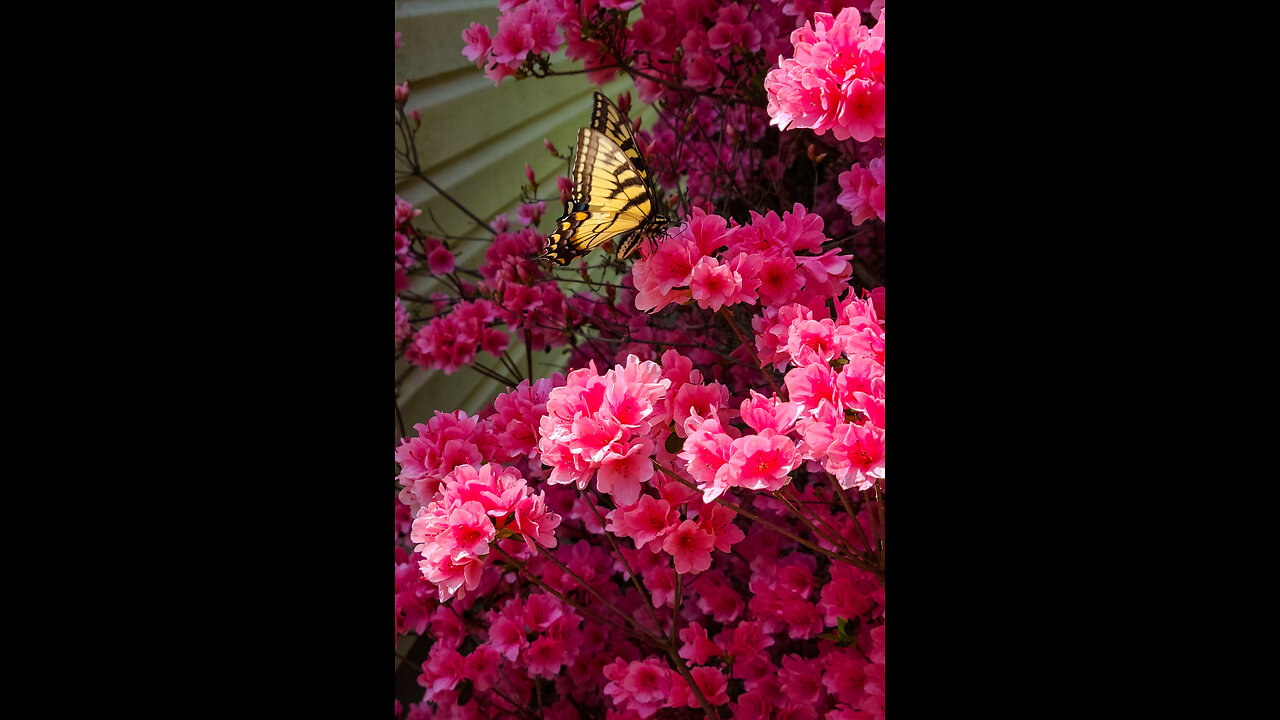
column 593, row 592
column 648, row 640
column 644, row 594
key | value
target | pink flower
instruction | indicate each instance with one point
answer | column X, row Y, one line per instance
column 717, row 598
column 690, row 546
column 761, row 413
column 477, row 43
column 621, row 474
column 713, row 285
column 540, row 610
column 440, row 261
column 535, row 522
column 856, row 456
column 648, row 683
column 602, row 423
column 801, row 680
column 529, row 28
column 507, row 637
column 713, row 685
column 646, row 521
column 545, row 657
column 811, row 341
column 697, row 648
column 442, row 670
column 402, row 323
column 718, row 520
column 704, row 401
column 760, row 462
column 470, row 531
column 834, row 80
column 862, row 191
column 531, row 213
column 749, row 639
column 481, row 666
column 706, row 450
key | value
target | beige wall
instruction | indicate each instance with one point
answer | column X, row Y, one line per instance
column 474, row 142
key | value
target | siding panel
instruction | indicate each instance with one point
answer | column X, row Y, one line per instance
column 474, row 143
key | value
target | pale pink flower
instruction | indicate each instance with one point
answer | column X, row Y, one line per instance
column 862, row 191
column 690, row 546
column 470, row 531
column 760, row 413
column 856, row 456
column 760, row 462
column 535, row 522
column 712, row 284
column 705, row 451
column 595, row 421
column 834, row 80
column 703, row 400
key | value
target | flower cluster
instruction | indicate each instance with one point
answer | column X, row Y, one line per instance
column 450, row 341
column 603, row 426
column 836, row 382
column 835, row 79
column 862, row 191
column 771, row 261
column 687, row 520
column 471, row 509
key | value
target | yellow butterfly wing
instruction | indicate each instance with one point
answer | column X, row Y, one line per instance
column 610, row 198
column 608, row 119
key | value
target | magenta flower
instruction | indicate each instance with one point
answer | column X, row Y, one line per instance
column 545, row 657
column 697, row 648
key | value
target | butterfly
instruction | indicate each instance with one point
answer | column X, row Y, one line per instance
column 612, row 194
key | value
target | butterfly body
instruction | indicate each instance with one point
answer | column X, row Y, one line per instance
column 613, row 198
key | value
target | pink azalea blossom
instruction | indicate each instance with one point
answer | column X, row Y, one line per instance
column 697, row 648
column 477, row 42
column 507, row 637
column 705, row 451
column 481, row 667
column 545, row 656
column 712, row 684
column 834, row 80
column 648, row 520
column 690, row 546
column 862, row 191
column 541, row 610
column 760, row 462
